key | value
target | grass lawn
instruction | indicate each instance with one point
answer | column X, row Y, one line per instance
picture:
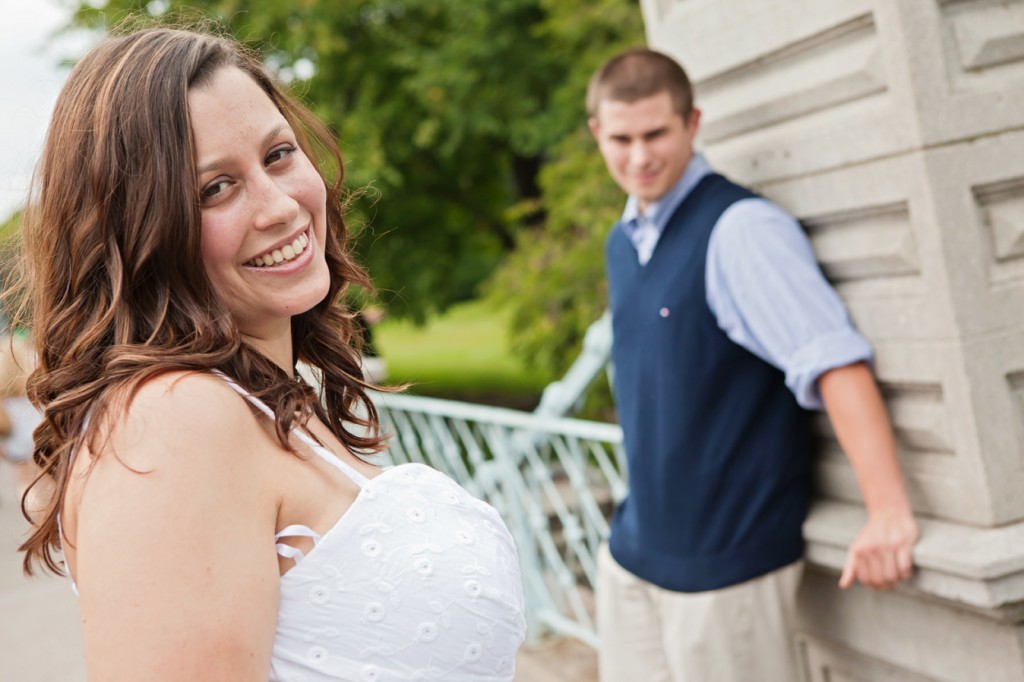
column 461, row 355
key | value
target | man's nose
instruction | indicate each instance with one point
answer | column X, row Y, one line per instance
column 639, row 154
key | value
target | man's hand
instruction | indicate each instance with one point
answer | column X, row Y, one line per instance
column 880, row 555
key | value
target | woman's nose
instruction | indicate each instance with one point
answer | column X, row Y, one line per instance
column 275, row 205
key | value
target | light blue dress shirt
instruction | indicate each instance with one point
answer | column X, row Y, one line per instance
column 763, row 285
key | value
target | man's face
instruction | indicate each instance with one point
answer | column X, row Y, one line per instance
column 646, row 144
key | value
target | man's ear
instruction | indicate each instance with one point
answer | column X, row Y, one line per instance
column 594, row 126
column 694, row 121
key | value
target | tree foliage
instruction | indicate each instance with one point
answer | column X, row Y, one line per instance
column 463, row 127
column 554, row 278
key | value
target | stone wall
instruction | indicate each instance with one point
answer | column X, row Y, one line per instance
column 894, row 130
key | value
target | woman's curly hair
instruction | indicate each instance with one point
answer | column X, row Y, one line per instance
column 113, row 273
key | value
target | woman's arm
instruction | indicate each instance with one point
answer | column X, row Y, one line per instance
column 176, row 568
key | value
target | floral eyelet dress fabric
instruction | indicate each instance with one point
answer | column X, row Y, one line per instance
column 418, row 580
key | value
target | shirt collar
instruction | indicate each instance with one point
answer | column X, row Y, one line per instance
column 660, row 211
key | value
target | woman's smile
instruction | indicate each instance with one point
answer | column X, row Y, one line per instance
column 277, row 257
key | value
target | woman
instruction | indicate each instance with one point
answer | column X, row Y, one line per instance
column 186, row 252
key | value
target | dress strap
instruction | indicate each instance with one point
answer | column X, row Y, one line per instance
column 332, row 459
column 294, row 553
column 60, row 535
column 324, row 454
column 60, row 526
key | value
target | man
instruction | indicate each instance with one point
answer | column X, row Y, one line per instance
column 725, row 332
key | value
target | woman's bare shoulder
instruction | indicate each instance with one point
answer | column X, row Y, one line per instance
column 186, row 393
column 177, row 414
column 183, row 436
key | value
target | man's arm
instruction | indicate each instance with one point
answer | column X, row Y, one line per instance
column 880, row 556
column 768, row 294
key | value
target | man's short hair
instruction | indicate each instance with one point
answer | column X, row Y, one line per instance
column 637, row 74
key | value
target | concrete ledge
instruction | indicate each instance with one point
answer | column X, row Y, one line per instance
column 981, row 568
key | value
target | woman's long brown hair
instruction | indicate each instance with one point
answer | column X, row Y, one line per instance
column 117, row 291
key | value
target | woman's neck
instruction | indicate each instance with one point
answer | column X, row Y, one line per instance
column 277, row 348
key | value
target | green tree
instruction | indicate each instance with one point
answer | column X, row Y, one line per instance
column 462, row 123
column 554, row 278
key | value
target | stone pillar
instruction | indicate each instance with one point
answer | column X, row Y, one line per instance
column 894, row 130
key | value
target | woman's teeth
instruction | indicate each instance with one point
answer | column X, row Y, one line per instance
column 282, row 255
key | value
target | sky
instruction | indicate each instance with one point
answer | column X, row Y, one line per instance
column 29, row 80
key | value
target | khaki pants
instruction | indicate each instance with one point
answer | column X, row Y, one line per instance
column 741, row 633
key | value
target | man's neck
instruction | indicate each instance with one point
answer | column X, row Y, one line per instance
column 696, row 169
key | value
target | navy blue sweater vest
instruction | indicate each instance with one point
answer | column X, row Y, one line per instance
column 716, row 445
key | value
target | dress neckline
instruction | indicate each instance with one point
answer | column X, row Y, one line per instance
column 365, row 492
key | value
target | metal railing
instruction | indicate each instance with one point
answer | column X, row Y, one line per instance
column 553, row 480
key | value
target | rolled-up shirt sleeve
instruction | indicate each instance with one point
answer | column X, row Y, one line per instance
column 768, row 294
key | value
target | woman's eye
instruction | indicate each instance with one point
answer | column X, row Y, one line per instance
column 279, row 153
column 213, row 189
